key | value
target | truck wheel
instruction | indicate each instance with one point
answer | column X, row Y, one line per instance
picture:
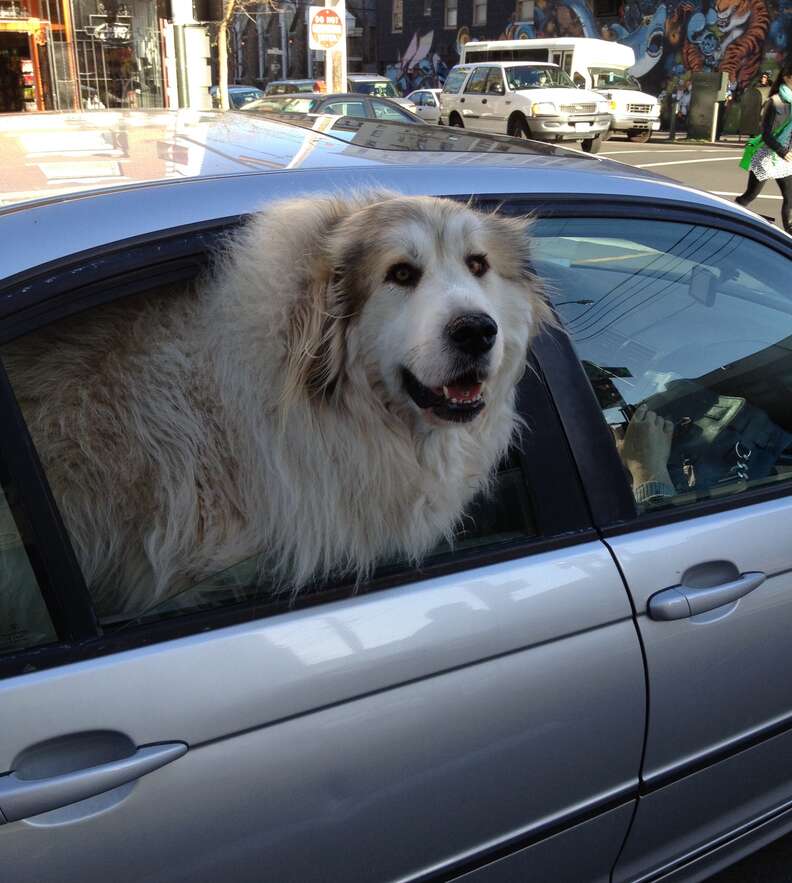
column 592, row 145
column 640, row 136
column 518, row 128
column 456, row 120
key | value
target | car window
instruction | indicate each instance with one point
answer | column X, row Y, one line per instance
column 455, row 79
column 685, row 333
column 345, row 108
column 374, row 87
column 383, row 111
column 476, row 83
column 537, row 77
column 430, row 100
column 24, row 620
column 494, row 84
column 503, row 516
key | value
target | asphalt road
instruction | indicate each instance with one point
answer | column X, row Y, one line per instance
column 706, row 167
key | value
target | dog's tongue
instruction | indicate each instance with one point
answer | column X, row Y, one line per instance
column 462, row 392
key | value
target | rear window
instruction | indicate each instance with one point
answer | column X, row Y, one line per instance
column 375, row 87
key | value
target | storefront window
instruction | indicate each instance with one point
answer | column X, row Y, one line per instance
column 118, row 54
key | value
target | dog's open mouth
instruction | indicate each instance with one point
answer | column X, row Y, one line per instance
column 459, row 400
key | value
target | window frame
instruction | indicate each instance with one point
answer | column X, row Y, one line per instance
column 178, row 255
column 613, row 507
column 479, row 19
column 450, row 10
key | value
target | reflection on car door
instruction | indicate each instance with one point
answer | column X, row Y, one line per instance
column 695, row 323
column 500, row 692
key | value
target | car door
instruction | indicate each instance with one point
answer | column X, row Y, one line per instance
column 475, row 717
column 472, row 98
column 496, row 103
column 683, row 324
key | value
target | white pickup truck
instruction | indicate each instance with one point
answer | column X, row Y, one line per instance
column 601, row 66
column 526, row 100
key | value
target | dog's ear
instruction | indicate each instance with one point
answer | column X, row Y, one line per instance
column 316, row 339
column 328, row 300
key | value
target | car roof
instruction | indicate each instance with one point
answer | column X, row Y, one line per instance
column 159, row 170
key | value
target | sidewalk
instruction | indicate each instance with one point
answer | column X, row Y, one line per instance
column 737, row 141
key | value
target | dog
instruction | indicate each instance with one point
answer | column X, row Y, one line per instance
column 332, row 394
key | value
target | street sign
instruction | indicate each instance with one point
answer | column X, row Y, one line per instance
column 326, row 28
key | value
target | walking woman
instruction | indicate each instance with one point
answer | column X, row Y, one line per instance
column 774, row 160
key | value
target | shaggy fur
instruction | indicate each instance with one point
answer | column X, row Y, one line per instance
column 264, row 412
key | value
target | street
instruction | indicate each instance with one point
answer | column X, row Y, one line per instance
column 704, row 166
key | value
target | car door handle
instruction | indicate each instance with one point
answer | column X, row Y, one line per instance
column 682, row 601
column 21, row 798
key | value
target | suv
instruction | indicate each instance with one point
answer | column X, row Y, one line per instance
column 526, row 100
column 379, row 86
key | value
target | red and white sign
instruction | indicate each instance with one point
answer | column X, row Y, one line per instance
column 326, row 28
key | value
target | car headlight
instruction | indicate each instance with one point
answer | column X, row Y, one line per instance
column 656, row 110
column 543, row 109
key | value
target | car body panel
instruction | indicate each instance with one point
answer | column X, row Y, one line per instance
column 341, row 724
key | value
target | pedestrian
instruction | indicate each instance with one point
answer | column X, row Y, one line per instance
column 774, row 159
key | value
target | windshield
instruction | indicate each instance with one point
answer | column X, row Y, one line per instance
column 379, row 88
column 607, row 78
column 534, row 77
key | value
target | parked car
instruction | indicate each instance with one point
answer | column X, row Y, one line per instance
column 524, row 99
column 340, row 103
column 578, row 688
column 287, row 87
column 239, row 96
column 427, row 104
column 601, row 66
column 382, row 87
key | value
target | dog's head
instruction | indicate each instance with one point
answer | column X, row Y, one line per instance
column 427, row 302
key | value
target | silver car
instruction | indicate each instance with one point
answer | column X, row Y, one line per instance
column 591, row 684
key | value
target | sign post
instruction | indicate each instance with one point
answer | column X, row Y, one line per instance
column 327, row 31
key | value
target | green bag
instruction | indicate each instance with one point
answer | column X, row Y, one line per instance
column 752, row 145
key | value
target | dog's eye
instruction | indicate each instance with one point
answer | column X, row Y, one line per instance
column 403, row 274
column 477, row 264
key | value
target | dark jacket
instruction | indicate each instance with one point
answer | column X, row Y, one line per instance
column 775, row 114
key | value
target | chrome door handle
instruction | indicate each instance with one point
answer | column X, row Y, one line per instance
column 682, row 601
column 21, row 798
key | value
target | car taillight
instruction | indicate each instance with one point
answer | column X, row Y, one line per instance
column 320, row 86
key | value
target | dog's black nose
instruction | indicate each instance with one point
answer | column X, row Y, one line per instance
column 473, row 333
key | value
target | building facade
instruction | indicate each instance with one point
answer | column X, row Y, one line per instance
column 265, row 44
column 81, row 54
column 419, row 40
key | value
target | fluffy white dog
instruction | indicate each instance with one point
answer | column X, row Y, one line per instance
column 334, row 394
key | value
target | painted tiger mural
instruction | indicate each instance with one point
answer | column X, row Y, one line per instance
column 736, row 42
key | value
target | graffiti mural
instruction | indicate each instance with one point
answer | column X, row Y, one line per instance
column 671, row 39
column 678, row 37
column 419, row 67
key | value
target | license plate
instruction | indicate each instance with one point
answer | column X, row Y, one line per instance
column 582, row 127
